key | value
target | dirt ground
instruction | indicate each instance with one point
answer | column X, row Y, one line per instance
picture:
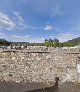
column 69, row 87
column 34, row 87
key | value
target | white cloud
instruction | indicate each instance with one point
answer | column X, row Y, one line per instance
column 21, row 23
column 56, row 8
column 36, row 39
column 20, row 20
column 76, row 28
column 48, row 27
column 34, row 27
column 17, row 38
column 27, row 36
column 20, row 36
column 66, row 36
column 74, row 32
column 52, row 37
column 18, row 15
column 2, row 36
column 41, row 39
column 6, row 22
column 46, row 7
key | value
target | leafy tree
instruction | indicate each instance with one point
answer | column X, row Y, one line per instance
column 4, row 42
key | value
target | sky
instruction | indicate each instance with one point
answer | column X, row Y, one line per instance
column 37, row 20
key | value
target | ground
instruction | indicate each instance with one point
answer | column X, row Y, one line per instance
column 21, row 87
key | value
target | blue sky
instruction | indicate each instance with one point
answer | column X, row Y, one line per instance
column 36, row 20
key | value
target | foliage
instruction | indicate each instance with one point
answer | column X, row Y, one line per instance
column 73, row 42
column 4, row 42
column 47, row 42
column 51, row 43
column 56, row 43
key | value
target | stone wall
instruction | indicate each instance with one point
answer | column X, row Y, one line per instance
column 38, row 66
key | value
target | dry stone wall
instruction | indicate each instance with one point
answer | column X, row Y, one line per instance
column 38, row 66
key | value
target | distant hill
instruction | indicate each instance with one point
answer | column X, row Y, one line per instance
column 19, row 42
column 4, row 42
column 70, row 43
column 27, row 43
column 73, row 42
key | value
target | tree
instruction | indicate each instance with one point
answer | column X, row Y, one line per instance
column 56, row 40
column 56, row 43
column 46, row 43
